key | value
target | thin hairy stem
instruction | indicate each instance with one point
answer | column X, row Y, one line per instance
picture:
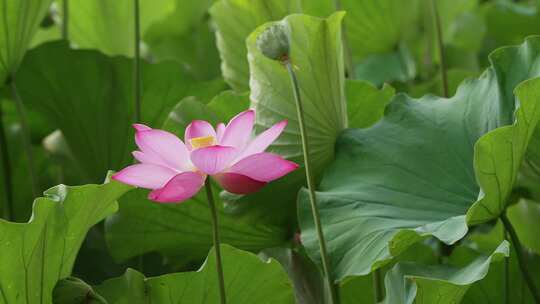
column 506, row 273
column 137, row 61
column 6, row 171
column 347, row 53
column 311, row 186
column 25, row 136
column 217, row 248
column 65, row 19
column 377, row 286
column 437, row 21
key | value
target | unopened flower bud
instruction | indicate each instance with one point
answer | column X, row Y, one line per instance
column 274, row 43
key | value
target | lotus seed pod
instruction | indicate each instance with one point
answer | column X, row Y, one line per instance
column 274, row 43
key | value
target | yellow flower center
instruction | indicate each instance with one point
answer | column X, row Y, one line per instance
column 201, row 142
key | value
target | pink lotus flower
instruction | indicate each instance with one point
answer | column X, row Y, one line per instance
column 175, row 171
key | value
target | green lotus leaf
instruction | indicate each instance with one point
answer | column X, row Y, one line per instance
column 429, row 167
column 94, row 110
column 35, row 255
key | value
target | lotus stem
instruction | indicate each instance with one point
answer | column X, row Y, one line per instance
column 311, row 187
column 215, row 227
column 137, row 61
column 506, row 274
column 349, row 66
column 520, row 257
column 137, row 80
column 377, row 286
column 65, row 20
column 437, row 21
column 25, row 130
column 6, row 168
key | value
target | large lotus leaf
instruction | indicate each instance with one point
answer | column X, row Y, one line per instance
column 390, row 19
column 20, row 20
column 431, row 166
column 109, row 25
column 235, row 20
column 247, row 280
column 38, row 253
column 409, row 283
column 94, row 109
